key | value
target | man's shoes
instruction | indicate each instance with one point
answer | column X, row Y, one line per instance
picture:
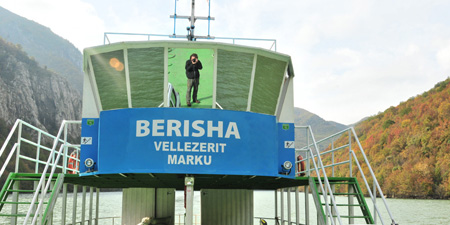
column 188, row 104
column 197, row 101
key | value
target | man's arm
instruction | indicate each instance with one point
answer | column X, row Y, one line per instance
column 199, row 65
column 189, row 66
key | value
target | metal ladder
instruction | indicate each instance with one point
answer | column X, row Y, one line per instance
column 45, row 181
column 323, row 186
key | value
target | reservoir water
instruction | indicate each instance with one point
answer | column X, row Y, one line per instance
column 405, row 211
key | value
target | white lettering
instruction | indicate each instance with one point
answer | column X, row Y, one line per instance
column 186, row 128
column 195, row 126
column 181, row 160
column 179, row 147
column 172, row 159
column 190, row 159
column 211, row 147
column 232, row 130
column 157, row 127
column 203, row 147
column 198, row 160
column 223, row 146
column 170, row 128
column 209, row 162
column 142, row 128
column 218, row 129
column 187, row 146
column 172, row 149
column 194, row 149
column 157, row 145
column 165, row 146
column 173, row 126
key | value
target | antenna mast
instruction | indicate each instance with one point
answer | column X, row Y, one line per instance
column 192, row 18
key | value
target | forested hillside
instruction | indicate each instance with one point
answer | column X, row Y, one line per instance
column 48, row 49
column 409, row 145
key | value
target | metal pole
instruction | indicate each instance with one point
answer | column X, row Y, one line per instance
column 333, row 188
column 36, row 170
column 374, row 199
column 15, row 197
column 192, row 20
column 189, row 185
column 209, row 16
column 91, row 204
column 289, row 205
column 350, row 187
column 297, row 208
column 276, row 204
column 282, row 206
column 83, row 206
column 174, row 18
column 307, row 186
column 74, row 204
column 64, row 205
column 307, row 204
column 65, row 150
column 97, row 205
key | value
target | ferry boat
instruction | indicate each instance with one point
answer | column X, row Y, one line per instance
column 138, row 134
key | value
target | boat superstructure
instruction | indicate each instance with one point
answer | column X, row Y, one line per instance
column 138, row 134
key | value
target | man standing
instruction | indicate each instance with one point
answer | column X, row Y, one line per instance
column 193, row 75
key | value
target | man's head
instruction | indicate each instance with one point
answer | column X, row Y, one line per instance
column 194, row 56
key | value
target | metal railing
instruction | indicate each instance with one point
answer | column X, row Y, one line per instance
column 318, row 167
column 25, row 133
column 19, row 127
column 148, row 37
column 45, row 184
column 330, row 148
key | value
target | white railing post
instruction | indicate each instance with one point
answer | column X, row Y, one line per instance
column 19, row 138
column 64, row 164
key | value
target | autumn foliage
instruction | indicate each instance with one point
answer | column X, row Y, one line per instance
column 408, row 146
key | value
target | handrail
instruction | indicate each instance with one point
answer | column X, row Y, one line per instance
column 106, row 39
column 13, row 129
column 351, row 133
column 327, row 183
column 367, row 185
column 13, row 150
column 373, row 176
column 43, row 176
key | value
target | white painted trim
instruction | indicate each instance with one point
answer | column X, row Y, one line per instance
column 127, row 77
column 166, row 76
column 215, row 79
column 282, row 90
column 252, row 81
column 94, row 86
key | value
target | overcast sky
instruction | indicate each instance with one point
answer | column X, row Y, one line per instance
column 351, row 59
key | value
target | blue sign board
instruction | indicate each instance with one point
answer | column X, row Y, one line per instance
column 192, row 141
column 89, row 144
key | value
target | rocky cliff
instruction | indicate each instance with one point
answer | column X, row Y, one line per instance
column 34, row 94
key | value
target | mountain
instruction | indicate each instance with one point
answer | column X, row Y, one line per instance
column 34, row 94
column 319, row 126
column 48, row 49
column 408, row 146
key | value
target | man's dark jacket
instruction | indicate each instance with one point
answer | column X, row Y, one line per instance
column 192, row 69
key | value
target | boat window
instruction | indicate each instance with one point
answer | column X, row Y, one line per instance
column 234, row 71
column 266, row 88
column 177, row 58
column 109, row 72
column 146, row 69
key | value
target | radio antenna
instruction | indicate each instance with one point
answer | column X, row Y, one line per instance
column 192, row 18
